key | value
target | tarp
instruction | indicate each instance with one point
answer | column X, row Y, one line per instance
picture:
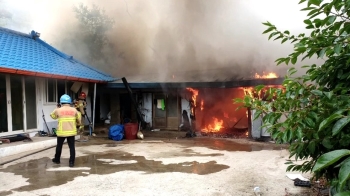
column 116, row 132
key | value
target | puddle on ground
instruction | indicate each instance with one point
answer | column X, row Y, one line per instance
column 228, row 145
column 39, row 177
column 42, row 173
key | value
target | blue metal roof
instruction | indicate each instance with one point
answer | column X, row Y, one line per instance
column 27, row 53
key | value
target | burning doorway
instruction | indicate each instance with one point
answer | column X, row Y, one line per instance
column 214, row 113
column 217, row 115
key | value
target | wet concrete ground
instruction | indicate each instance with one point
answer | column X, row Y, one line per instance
column 196, row 166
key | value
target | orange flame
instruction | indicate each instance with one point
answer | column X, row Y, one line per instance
column 194, row 95
column 215, row 126
column 194, row 98
column 202, row 105
column 268, row 75
column 248, row 91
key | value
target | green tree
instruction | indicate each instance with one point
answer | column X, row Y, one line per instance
column 94, row 25
column 312, row 112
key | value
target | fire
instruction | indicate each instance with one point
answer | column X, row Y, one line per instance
column 194, row 95
column 248, row 91
column 202, row 105
column 194, row 98
column 268, row 75
column 215, row 126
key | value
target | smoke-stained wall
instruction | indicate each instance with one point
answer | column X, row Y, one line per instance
column 146, row 107
column 162, row 36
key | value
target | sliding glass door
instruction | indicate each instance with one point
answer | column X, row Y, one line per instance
column 3, row 104
column 18, row 108
column 30, row 103
column 16, row 102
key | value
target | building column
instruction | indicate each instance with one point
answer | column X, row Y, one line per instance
column 115, row 108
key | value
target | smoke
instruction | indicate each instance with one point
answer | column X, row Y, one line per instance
column 163, row 37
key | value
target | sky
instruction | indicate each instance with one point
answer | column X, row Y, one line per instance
column 165, row 36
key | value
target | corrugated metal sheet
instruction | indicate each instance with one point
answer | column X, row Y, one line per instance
column 29, row 55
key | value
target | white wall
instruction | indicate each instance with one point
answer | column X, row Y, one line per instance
column 185, row 105
column 146, row 107
column 43, row 107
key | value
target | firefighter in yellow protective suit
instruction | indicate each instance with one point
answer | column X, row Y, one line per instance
column 80, row 105
column 68, row 119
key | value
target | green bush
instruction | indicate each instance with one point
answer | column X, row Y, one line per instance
column 312, row 112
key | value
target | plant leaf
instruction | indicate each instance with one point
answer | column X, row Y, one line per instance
column 344, row 173
column 339, row 125
column 269, row 29
column 329, row 120
column 329, row 94
column 329, row 158
column 317, row 92
column 331, row 19
column 337, row 49
column 347, row 193
column 321, row 54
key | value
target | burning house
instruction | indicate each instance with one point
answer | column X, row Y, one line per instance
column 198, row 106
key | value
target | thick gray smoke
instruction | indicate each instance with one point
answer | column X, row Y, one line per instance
column 167, row 37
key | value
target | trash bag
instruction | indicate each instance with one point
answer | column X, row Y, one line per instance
column 116, row 132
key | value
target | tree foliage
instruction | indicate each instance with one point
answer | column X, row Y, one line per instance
column 312, row 112
column 94, row 25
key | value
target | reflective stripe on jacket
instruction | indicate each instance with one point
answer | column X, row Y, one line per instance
column 68, row 118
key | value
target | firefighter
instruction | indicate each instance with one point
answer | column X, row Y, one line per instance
column 80, row 105
column 68, row 119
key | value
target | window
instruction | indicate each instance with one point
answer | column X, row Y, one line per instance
column 61, row 88
column 51, row 90
column 54, row 90
column 70, row 92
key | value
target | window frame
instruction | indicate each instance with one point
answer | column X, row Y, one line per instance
column 55, row 91
column 47, row 91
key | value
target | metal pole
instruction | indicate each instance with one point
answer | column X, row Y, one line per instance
column 93, row 110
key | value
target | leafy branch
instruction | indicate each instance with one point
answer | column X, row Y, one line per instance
column 312, row 112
